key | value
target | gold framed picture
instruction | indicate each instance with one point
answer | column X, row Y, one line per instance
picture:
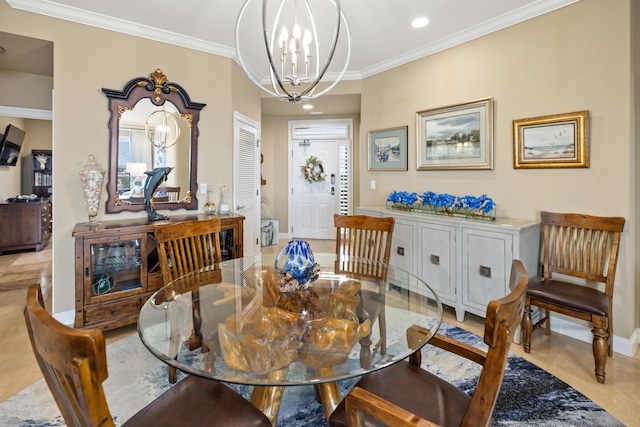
column 556, row 141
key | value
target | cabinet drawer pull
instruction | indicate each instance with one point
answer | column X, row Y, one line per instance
column 113, row 310
column 485, row 271
column 435, row 259
column 400, row 250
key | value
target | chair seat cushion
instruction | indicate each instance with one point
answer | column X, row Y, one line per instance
column 577, row 297
column 415, row 390
column 196, row 401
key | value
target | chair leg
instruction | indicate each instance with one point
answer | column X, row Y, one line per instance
column 365, row 352
column 382, row 324
column 600, row 343
column 173, row 375
column 610, row 332
column 527, row 326
column 548, row 322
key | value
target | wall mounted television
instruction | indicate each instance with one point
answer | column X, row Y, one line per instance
column 10, row 144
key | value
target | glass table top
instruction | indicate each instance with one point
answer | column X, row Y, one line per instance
column 231, row 323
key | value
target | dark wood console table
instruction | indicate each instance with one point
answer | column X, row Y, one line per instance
column 117, row 268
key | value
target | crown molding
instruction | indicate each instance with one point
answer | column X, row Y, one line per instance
column 25, row 113
column 498, row 23
column 48, row 8
column 79, row 16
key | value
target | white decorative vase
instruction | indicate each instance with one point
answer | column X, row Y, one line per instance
column 92, row 175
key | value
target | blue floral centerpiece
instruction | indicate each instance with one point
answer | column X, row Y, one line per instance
column 403, row 200
column 481, row 207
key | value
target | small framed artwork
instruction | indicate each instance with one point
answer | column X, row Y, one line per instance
column 557, row 141
column 388, row 149
column 457, row 136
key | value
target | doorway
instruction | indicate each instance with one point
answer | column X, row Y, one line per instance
column 314, row 201
column 246, row 190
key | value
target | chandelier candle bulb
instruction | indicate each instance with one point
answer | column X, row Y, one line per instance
column 284, row 36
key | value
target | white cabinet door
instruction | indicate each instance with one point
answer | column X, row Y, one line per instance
column 437, row 260
column 486, row 257
column 403, row 245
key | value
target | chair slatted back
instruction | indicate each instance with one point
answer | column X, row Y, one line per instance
column 363, row 238
column 172, row 193
column 187, row 246
column 73, row 363
column 582, row 246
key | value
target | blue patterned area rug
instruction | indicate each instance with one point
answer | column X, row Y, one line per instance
column 529, row 395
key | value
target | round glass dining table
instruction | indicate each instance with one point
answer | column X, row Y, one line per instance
column 234, row 323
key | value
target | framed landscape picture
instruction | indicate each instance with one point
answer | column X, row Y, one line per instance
column 388, row 149
column 557, row 141
column 456, row 137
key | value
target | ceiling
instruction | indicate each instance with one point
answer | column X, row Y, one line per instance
column 381, row 34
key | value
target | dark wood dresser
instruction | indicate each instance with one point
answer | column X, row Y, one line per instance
column 25, row 225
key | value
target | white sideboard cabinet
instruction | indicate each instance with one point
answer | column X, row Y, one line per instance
column 466, row 262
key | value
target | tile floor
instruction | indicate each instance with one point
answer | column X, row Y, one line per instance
column 568, row 359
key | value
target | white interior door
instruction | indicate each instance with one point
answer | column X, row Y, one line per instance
column 246, row 188
column 313, row 204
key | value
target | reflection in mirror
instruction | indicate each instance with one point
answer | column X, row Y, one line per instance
column 153, row 124
column 137, row 154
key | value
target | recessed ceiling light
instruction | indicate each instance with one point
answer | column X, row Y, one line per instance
column 317, row 112
column 307, row 106
column 420, row 22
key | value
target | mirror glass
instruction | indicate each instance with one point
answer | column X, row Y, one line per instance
column 136, row 154
column 173, row 130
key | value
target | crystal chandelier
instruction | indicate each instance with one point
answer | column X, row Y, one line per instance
column 293, row 61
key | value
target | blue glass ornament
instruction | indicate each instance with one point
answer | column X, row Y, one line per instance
column 297, row 260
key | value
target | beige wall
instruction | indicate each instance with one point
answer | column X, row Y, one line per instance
column 37, row 136
column 634, row 16
column 25, row 90
column 553, row 64
column 556, row 63
column 10, row 175
column 88, row 59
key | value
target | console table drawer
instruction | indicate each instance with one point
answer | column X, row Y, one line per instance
column 97, row 314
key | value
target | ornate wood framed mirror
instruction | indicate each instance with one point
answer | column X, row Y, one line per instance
column 138, row 143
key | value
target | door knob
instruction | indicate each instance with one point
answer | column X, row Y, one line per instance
column 240, row 207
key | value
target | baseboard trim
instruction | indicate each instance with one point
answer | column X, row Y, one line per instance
column 621, row 345
column 66, row 317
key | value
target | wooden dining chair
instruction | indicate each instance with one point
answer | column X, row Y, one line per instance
column 363, row 248
column 185, row 247
column 583, row 251
column 168, row 194
column 74, row 365
column 406, row 395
